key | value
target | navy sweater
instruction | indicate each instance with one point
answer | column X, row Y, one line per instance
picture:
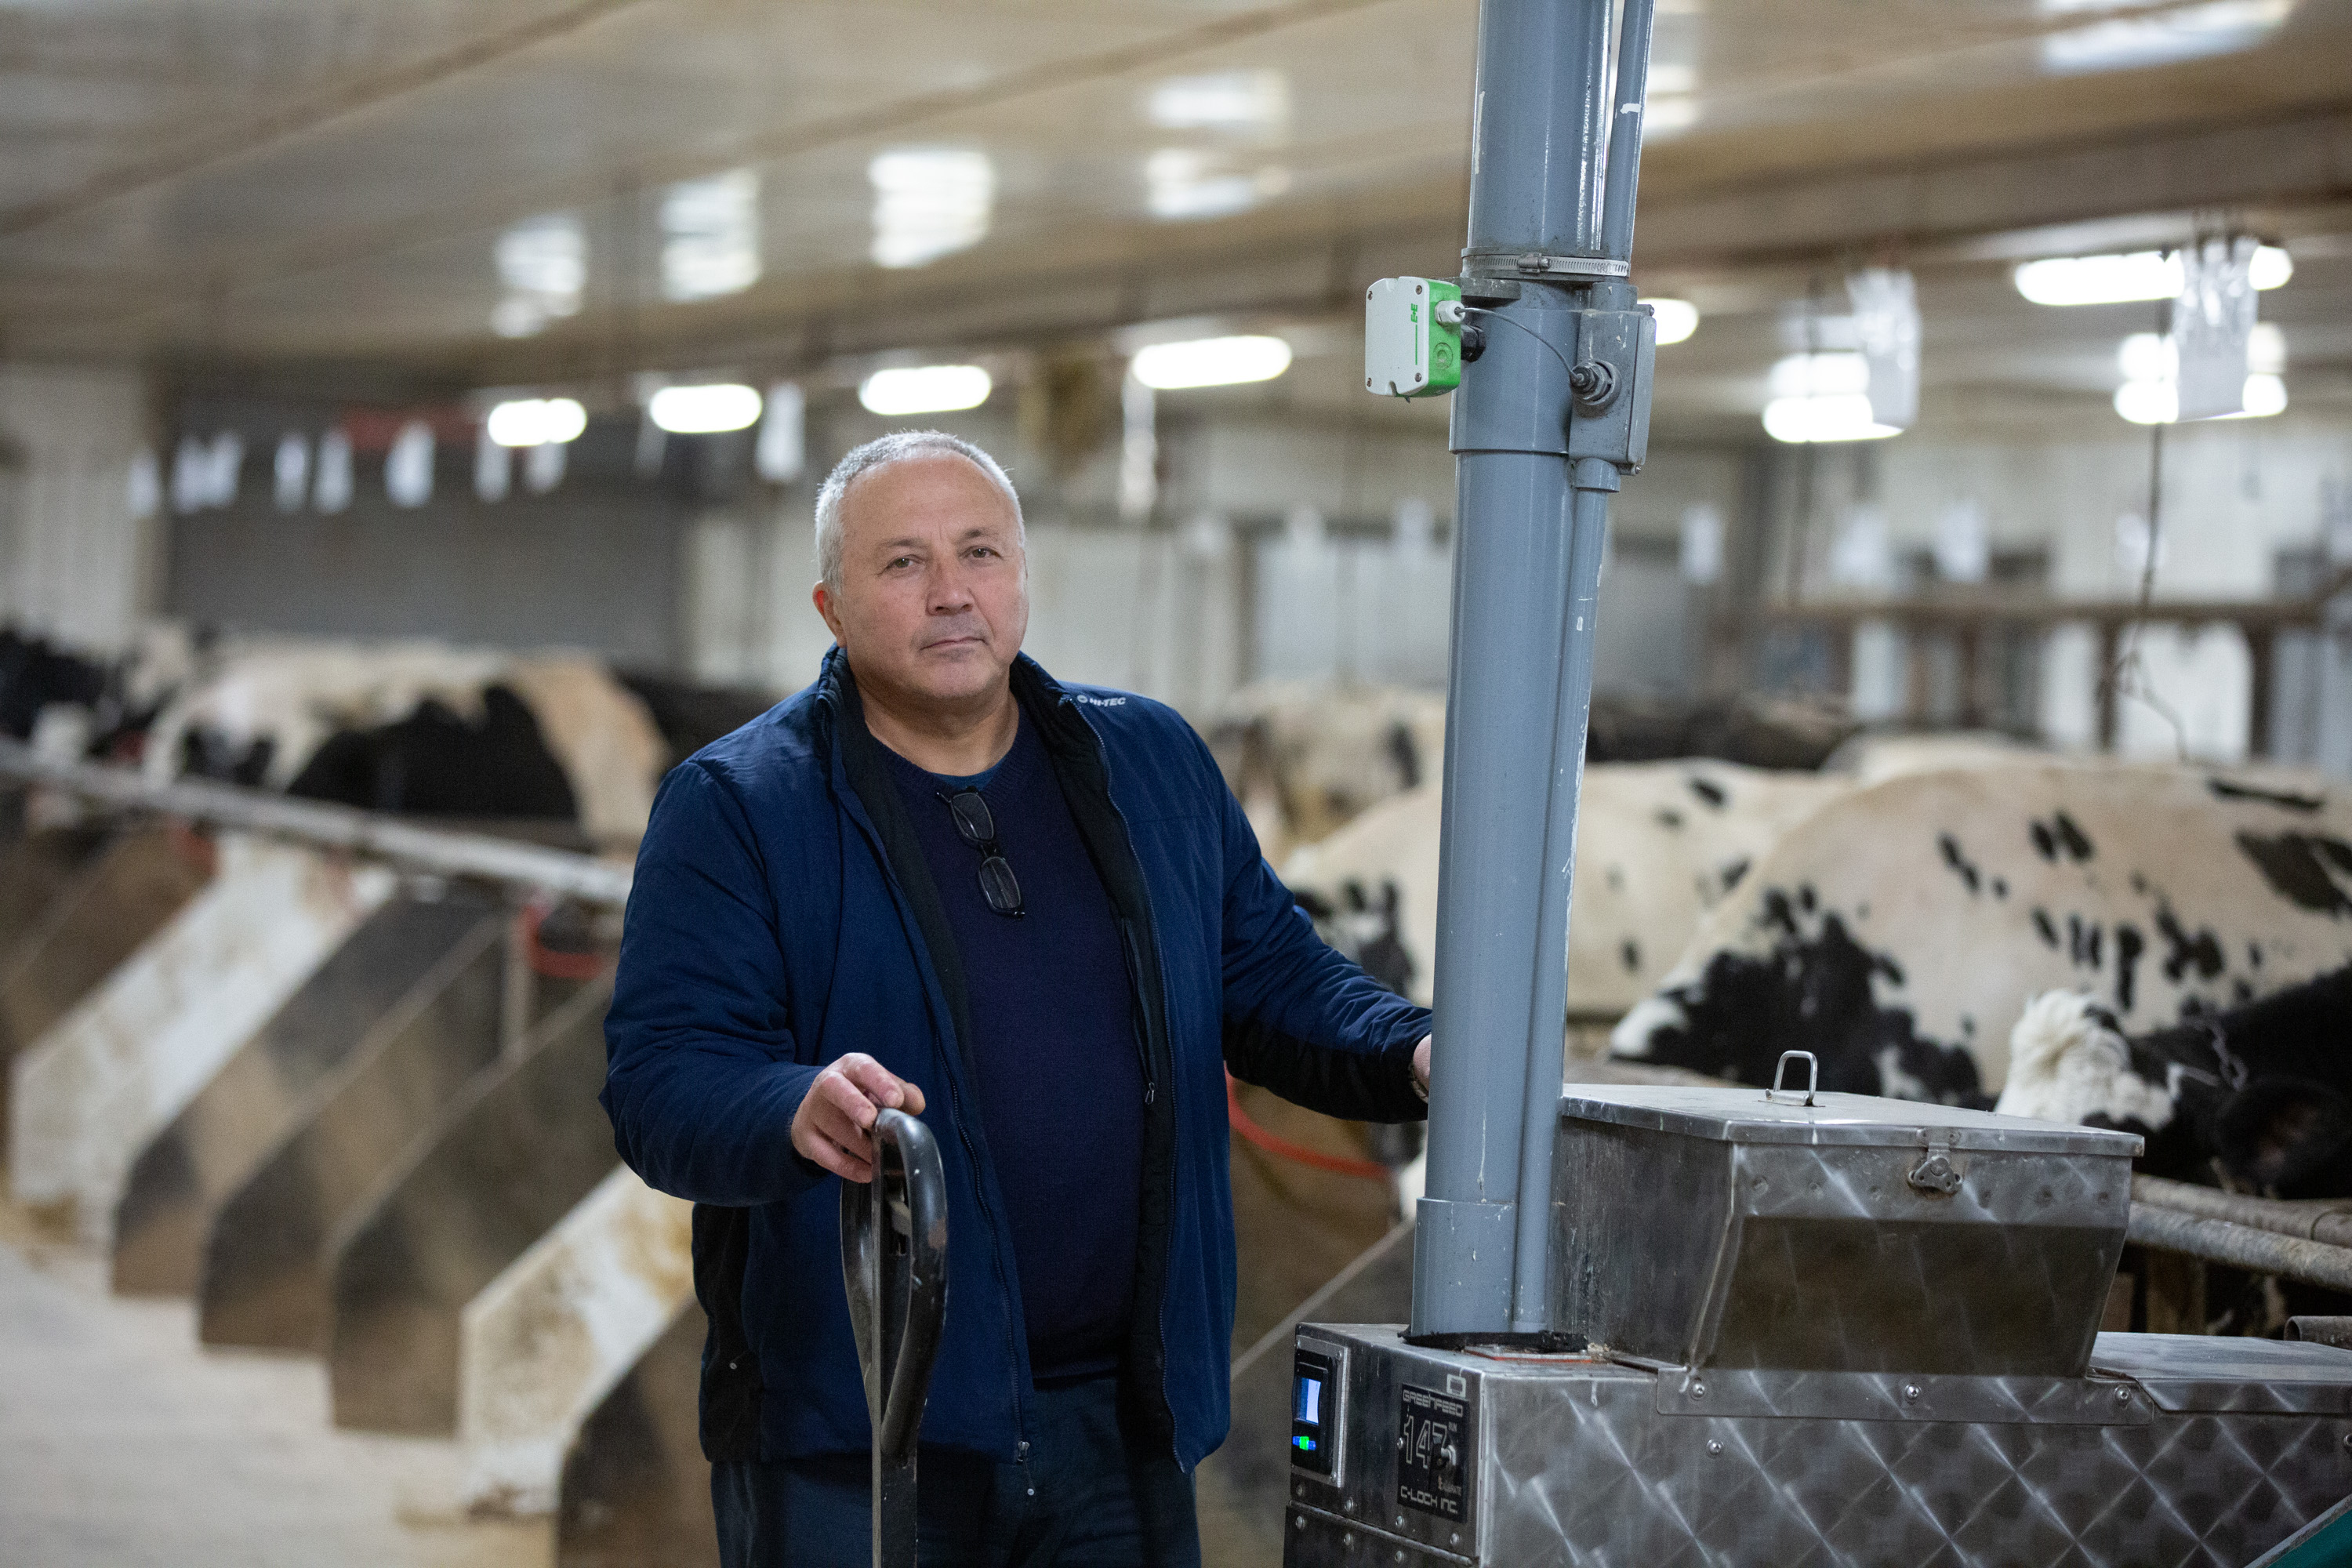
column 1059, row 1066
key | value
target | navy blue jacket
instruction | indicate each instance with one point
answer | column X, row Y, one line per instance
column 782, row 916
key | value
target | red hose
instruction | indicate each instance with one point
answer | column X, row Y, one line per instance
column 553, row 963
column 1284, row 1148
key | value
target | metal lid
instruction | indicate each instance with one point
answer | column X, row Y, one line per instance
column 1748, row 1116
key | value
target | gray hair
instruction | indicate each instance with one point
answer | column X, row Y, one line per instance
column 899, row 446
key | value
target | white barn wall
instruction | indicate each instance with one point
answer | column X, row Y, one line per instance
column 1214, row 592
column 2235, row 494
column 75, row 564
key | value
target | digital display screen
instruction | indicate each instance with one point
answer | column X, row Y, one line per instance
column 1314, row 1393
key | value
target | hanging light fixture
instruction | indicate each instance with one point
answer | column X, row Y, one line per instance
column 1209, row 361
column 2119, row 280
column 705, row 410
column 924, row 389
column 536, row 421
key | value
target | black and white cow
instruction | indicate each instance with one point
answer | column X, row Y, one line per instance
column 38, row 674
column 1898, row 934
column 1306, row 757
column 1657, row 845
column 420, row 728
column 2259, row 1094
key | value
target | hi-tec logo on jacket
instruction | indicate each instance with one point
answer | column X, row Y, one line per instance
column 1099, row 702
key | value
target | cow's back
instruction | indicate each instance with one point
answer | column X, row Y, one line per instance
column 1943, row 901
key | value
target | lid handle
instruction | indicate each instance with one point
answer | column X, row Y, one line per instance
column 1780, row 1071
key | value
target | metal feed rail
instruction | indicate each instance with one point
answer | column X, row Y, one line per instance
column 476, row 855
column 2262, row 1236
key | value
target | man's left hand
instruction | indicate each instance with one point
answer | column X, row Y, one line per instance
column 1421, row 1067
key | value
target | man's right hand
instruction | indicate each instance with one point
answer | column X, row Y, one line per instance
column 831, row 1126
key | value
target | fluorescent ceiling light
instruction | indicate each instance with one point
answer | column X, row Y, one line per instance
column 703, row 410
column 2266, row 348
column 2141, row 275
column 1677, row 320
column 2159, row 37
column 1255, row 100
column 2149, row 401
column 929, row 202
column 924, row 389
column 536, row 421
column 710, row 230
column 2159, row 402
column 1181, row 182
column 1209, row 361
column 2150, row 356
column 1838, row 416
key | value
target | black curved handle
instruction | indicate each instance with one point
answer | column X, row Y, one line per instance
column 894, row 1264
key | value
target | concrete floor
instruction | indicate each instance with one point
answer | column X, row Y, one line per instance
column 123, row 1444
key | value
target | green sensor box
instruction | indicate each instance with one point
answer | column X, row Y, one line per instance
column 1409, row 351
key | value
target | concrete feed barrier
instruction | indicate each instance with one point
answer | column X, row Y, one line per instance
column 104, row 915
column 265, row 1271
column 106, row 1076
column 505, row 1160
column 542, row 1345
column 187, row 1171
column 636, row 1490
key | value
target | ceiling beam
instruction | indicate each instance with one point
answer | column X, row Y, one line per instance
column 1945, row 210
column 190, row 152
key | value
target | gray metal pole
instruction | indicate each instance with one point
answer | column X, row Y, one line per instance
column 1530, row 522
column 1546, row 1066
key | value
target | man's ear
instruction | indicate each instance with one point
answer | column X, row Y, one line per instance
column 822, row 597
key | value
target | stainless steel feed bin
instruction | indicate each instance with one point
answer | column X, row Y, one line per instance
column 1857, row 1330
column 1716, row 1227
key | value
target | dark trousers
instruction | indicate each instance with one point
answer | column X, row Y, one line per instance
column 1086, row 1498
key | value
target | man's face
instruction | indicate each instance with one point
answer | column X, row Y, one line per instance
column 933, row 599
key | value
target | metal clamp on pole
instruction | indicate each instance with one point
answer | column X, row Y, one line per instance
column 894, row 1266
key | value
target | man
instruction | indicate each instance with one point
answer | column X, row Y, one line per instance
column 1033, row 914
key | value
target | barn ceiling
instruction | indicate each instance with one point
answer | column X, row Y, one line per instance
column 519, row 189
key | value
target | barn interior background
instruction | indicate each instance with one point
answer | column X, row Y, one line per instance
column 417, row 408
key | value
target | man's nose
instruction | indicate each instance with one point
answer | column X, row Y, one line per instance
column 951, row 593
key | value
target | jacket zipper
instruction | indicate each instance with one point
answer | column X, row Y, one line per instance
column 1131, row 946
column 1168, row 1036
column 1175, row 1142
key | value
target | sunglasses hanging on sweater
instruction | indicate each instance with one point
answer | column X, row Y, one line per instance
column 973, row 820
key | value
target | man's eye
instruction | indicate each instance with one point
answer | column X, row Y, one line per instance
column 898, row 562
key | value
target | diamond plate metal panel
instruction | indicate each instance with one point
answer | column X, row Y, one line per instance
column 1578, row 1466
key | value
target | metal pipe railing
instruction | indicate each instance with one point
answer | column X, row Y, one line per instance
column 2318, row 1219
column 2262, row 1236
column 443, row 852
